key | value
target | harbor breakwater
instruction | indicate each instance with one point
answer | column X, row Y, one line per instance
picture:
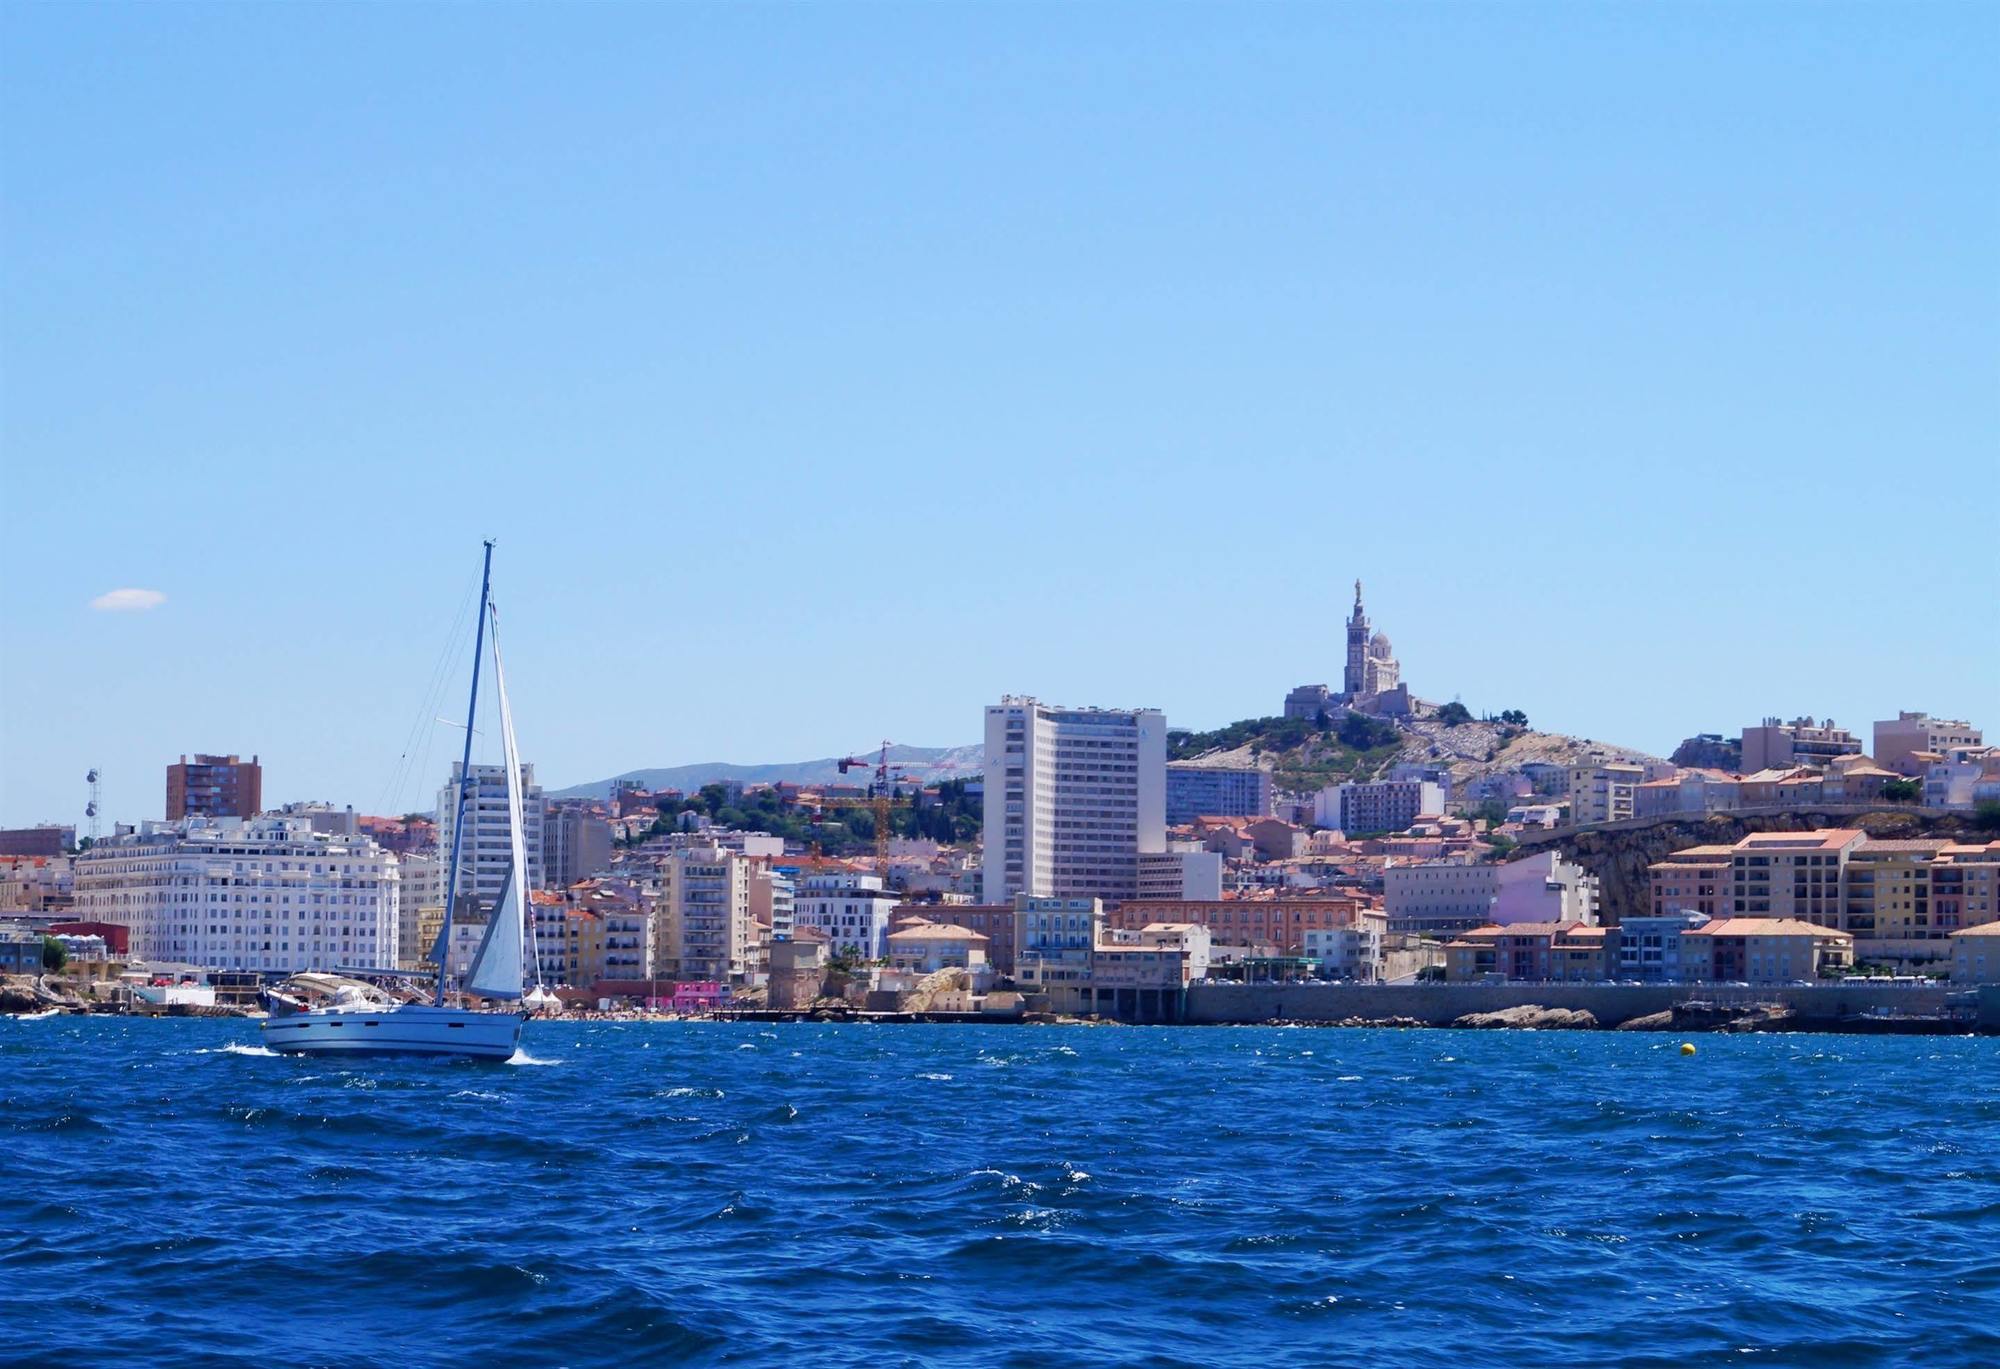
column 1819, row 1006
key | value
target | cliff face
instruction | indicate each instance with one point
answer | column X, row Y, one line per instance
column 1619, row 858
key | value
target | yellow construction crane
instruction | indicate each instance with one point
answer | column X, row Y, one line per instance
column 885, row 778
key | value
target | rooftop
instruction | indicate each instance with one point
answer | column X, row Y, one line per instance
column 1766, row 926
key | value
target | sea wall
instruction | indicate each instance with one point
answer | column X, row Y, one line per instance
column 1610, row 1004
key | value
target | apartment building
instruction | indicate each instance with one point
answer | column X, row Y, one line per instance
column 995, row 922
column 1451, row 896
column 1764, row 950
column 1687, row 791
column 704, row 930
column 1283, row 923
column 1180, row 873
column 1604, row 792
column 774, row 903
column 1531, row 952
column 1195, row 790
column 1908, row 733
column 1776, row 745
column 1695, row 880
column 853, row 912
column 1053, row 940
column 576, row 843
column 1965, row 887
column 487, row 852
column 1378, row 805
column 1975, row 955
column 244, row 894
column 49, row 839
column 1073, row 796
column 1649, row 945
column 215, row 787
column 1352, row 952
column 1795, row 875
column 927, row 947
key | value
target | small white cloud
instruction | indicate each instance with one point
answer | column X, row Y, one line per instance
column 128, row 601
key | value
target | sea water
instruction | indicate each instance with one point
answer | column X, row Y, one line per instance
column 706, row 1193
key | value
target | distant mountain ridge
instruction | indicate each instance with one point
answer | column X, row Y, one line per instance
column 926, row 764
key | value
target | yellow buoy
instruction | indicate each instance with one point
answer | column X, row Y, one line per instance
column 1687, row 1048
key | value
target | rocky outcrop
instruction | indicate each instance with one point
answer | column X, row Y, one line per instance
column 1697, row 1015
column 1532, row 1016
column 924, row 995
column 17, row 997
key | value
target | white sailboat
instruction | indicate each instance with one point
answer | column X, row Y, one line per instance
column 366, row 1022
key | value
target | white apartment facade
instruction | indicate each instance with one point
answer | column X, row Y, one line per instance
column 850, row 911
column 1378, row 805
column 1181, row 873
column 245, row 894
column 1073, row 797
column 487, row 852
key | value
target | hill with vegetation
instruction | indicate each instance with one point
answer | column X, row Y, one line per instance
column 1311, row 753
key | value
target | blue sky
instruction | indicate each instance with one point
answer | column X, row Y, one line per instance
column 826, row 371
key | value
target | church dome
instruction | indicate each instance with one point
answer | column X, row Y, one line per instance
column 1379, row 645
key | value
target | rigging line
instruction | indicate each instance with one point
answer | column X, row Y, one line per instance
column 393, row 789
column 398, row 777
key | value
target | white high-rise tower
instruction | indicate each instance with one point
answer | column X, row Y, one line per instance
column 1073, row 796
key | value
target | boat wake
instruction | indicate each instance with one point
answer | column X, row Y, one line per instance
column 238, row 1048
column 521, row 1057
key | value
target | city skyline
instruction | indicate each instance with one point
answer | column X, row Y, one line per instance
column 820, row 388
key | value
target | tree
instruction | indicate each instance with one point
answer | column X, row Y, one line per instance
column 1514, row 717
column 1902, row 791
column 1319, row 719
column 54, row 955
column 1363, row 733
column 1454, row 714
column 1986, row 816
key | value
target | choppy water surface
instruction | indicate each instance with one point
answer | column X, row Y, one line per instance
column 703, row 1193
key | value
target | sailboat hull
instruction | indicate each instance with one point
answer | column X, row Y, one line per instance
column 412, row 1029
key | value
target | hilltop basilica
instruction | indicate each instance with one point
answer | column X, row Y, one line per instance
column 1372, row 681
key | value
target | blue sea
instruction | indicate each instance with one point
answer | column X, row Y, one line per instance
column 704, row 1193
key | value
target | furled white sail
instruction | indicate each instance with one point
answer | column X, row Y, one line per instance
column 496, row 970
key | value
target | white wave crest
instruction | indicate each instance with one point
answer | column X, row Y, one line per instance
column 521, row 1057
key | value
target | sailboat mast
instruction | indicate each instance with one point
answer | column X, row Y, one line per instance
column 464, row 777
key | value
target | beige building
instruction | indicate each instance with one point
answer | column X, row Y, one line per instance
column 704, row 929
column 1975, row 955
column 1764, row 950
column 1529, row 952
column 1965, row 886
column 1695, row 880
column 1607, row 792
column 1910, row 733
column 927, row 947
column 1802, row 875
column 1775, row 745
